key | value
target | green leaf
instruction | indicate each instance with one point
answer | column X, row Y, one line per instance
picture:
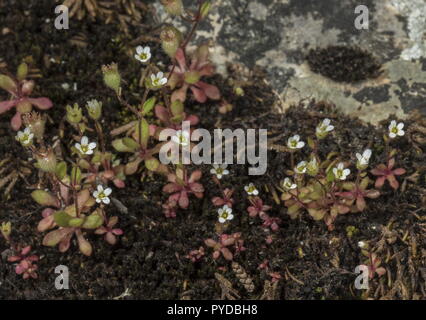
column 62, row 219
column 93, row 221
column 44, row 198
column 75, row 222
column 61, row 170
column 75, row 175
column 152, row 164
column 120, row 146
column 330, row 176
column 148, row 105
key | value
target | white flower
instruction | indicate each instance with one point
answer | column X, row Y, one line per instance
column 340, row 172
column 294, row 143
column 251, row 189
column 288, row 184
column 364, row 158
column 181, row 137
column 219, row 170
column 101, row 195
column 324, row 127
column 143, row 54
column 361, row 244
column 301, row 167
column 225, row 214
column 25, row 137
column 158, row 80
column 396, row 129
column 85, row 147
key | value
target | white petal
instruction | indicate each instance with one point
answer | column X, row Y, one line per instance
column 326, row 122
column 106, row 200
column 225, row 172
column 163, row 81
column 255, row 192
column 335, row 171
column 107, row 191
column 160, row 75
column 78, row 147
column 219, row 176
column 147, row 50
column 401, row 132
column 212, row 171
column 220, row 211
column 346, row 172
column 84, row 140
column 392, row 135
column 230, row 216
column 98, row 200
column 153, row 78
column 89, row 152
column 367, row 153
column 139, row 50
column 92, row 145
column 100, row 188
column 330, row 128
column 300, row 145
column 95, row 194
column 176, row 139
column 221, row 220
column 400, row 126
column 358, row 156
column 296, row 137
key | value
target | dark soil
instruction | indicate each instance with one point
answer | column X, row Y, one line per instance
column 149, row 259
column 344, row 64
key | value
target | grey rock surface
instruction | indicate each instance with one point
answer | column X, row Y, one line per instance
column 277, row 34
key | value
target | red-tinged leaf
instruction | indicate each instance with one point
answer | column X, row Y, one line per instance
column 171, row 188
column 64, row 245
column 101, row 230
column 54, row 237
column 46, row 224
column 180, row 58
column 83, row 244
column 217, row 201
column 7, row 105
column 82, row 198
column 216, row 254
column 183, row 200
column 228, row 241
column 227, row 254
column 210, row 243
column 380, row 271
column 210, row 91
column 26, row 250
column 14, row 258
column 193, row 120
column 360, row 203
column 372, row 194
column 197, row 187
column 117, row 232
column 180, row 94
column 41, row 103
column 132, row 166
column 399, row 171
column 110, row 238
column 162, row 113
column 195, row 176
column 393, row 182
column 45, row 198
column 16, row 121
column 119, row 183
column 199, row 94
column 379, row 182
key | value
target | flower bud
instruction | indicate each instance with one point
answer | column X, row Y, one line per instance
column 7, row 83
column 36, row 123
column 192, row 77
column 94, row 107
column 74, row 114
column 27, row 87
column 171, row 39
column 205, row 8
column 22, row 72
column 173, row 7
column 24, row 107
column 312, row 168
column 6, row 230
column 112, row 77
column 46, row 160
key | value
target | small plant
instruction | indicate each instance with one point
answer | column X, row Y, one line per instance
column 25, row 263
column 20, row 90
column 321, row 186
column 221, row 246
